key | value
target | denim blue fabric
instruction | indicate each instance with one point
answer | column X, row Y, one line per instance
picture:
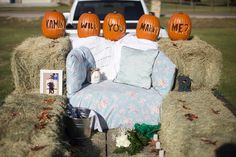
column 77, row 63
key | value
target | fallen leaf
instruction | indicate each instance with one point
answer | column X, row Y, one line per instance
column 44, row 116
column 215, row 111
column 49, row 101
column 47, row 108
column 14, row 114
column 186, row 108
column 37, row 147
column 191, row 116
column 207, row 141
column 40, row 125
column 174, row 44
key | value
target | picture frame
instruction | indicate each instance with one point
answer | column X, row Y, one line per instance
column 51, row 82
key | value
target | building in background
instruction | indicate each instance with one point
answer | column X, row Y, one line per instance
column 68, row 2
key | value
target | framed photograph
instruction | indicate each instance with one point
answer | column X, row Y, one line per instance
column 51, row 82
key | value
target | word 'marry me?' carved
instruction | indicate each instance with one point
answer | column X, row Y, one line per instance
column 148, row 27
column 179, row 26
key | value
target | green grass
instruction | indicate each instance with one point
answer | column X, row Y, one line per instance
column 170, row 8
column 12, row 33
column 224, row 39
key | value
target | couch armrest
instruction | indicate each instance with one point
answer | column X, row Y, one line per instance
column 163, row 74
column 77, row 63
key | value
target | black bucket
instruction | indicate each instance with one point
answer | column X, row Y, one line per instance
column 78, row 128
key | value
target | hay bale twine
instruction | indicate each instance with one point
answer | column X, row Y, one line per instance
column 181, row 137
column 196, row 59
column 34, row 54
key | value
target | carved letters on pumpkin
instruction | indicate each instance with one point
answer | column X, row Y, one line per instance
column 148, row 28
column 54, row 24
column 115, row 27
column 88, row 25
column 180, row 27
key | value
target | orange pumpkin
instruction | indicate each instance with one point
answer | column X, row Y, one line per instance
column 88, row 25
column 179, row 26
column 114, row 26
column 53, row 24
column 148, row 27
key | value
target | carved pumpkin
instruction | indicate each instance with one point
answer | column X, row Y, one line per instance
column 53, row 24
column 148, row 27
column 179, row 26
column 114, row 26
column 88, row 25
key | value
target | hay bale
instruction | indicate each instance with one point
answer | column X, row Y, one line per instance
column 34, row 54
column 181, row 137
column 18, row 134
column 196, row 59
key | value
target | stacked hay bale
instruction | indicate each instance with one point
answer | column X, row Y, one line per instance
column 196, row 59
column 34, row 54
column 32, row 125
column 195, row 123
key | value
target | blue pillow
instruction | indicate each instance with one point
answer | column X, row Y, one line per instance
column 163, row 74
column 136, row 67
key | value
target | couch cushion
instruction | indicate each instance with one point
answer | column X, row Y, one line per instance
column 163, row 74
column 136, row 67
column 120, row 105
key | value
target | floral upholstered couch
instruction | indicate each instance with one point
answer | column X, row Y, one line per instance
column 136, row 76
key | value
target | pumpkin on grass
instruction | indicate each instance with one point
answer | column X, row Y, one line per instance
column 114, row 26
column 179, row 26
column 88, row 25
column 148, row 27
column 53, row 24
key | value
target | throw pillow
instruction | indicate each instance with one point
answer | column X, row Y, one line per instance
column 136, row 67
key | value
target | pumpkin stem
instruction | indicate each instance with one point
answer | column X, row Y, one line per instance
column 114, row 12
column 89, row 12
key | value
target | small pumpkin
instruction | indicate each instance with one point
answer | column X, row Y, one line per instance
column 53, row 24
column 88, row 25
column 179, row 26
column 114, row 26
column 148, row 27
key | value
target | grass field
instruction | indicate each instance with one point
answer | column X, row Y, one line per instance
column 221, row 33
column 200, row 9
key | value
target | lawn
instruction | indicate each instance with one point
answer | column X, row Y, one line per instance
column 220, row 33
column 200, row 9
column 12, row 32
